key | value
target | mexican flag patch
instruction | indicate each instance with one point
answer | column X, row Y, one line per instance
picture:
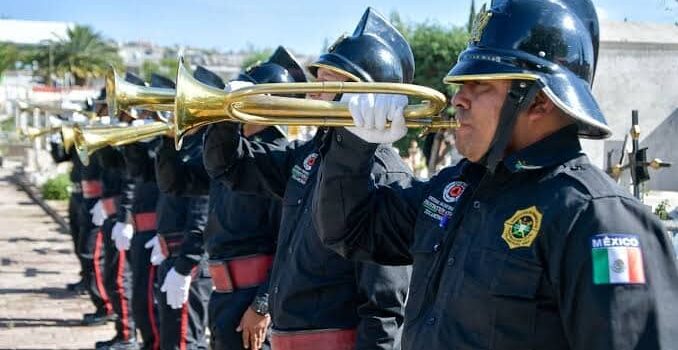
column 617, row 259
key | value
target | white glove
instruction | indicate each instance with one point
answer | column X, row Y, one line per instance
column 122, row 235
column 176, row 286
column 138, row 122
column 98, row 213
column 157, row 257
column 370, row 113
column 237, row 84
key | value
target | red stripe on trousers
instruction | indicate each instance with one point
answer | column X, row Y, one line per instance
column 121, row 293
column 183, row 331
column 151, row 315
column 98, row 277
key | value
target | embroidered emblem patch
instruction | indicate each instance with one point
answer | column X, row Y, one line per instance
column 310, row 160
column 617, row 259
column 479, row 24
column 301, row 173
column 453, row 191
column 437, row 209
column 521, row 229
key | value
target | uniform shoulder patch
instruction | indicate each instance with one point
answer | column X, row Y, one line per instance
column 522, row 228
column 617, row 259
column 453, row 191
column 310, row 161
column 301, row 173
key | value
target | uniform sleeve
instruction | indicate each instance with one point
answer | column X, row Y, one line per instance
column 274, row 215
column 356, row 217
column 243, row 165
column 192, row 250
column 124, row 214
column 384, row 289
column 58, row 152
column 179, row 177
column 615, row 277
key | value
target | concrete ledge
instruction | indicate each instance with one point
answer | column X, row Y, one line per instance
column 19, row 178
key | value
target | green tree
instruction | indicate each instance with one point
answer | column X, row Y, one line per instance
column 8, row 55
column 256, row 56
column 471, row 16
column 435, row 49
column 167, row 67
column 83, row 53
column 148, row 68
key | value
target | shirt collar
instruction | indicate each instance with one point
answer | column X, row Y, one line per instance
column 556, row 148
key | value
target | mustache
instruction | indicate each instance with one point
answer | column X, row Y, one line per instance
column 461, row 116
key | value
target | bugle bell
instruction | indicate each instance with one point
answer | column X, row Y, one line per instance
column 89, row 140
column 122, row 95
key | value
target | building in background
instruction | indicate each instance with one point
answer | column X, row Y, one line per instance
column 638, row 69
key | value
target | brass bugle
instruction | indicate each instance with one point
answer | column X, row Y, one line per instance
column 33, row 132
column 122, row 95
column 197, row 104
column 89, row 140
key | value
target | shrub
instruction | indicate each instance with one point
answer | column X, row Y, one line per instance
column 662, row 210
column 57, row 188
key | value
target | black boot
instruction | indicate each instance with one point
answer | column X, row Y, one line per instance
column 78, row 287
column 125, row 345
column 117, row 344
column 97, row 318
column 105, row 344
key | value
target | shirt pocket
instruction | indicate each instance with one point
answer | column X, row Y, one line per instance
column 291, row 203
column 427, row 243
column 514, row 292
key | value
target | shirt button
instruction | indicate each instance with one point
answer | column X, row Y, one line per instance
column 299, row 201
column 339, row 138
column 275, row 290
column 450, row 261
column 436, row 247
column 431, row 320
column 476, row 204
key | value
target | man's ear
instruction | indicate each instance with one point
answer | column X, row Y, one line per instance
column 541, row 107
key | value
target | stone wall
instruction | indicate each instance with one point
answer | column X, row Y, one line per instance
column 642, row 76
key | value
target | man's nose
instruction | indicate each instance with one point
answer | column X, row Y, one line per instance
column 460, row 100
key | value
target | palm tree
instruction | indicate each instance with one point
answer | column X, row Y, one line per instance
column 83, row 53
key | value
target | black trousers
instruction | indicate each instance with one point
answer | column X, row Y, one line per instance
column 118, row 283
column 144, row 289
column 91, row 251
column 225, row 313
column 74, row 204
column 185, row 328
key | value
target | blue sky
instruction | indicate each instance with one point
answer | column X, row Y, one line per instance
column 302, row 25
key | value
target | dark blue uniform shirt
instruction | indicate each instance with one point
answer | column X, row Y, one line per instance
column 548, row 253
column 311, row 286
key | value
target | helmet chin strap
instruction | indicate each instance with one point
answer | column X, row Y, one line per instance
column 519, row 97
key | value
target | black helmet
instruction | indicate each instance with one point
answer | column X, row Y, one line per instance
column 281, row 67
column 208, row 77
column 134, row 79
column 553, row 43
column 160, row 81
column 376, row 52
